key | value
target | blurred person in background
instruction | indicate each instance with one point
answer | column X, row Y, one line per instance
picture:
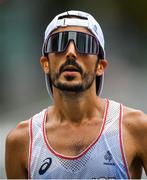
column 82, row 135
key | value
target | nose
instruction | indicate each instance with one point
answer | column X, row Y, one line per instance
column 71, row 51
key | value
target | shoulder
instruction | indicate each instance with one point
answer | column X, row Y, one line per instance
column 135, row 125
column 17, row 150
column 17, row 142
column 134, row 119
column 20, row 134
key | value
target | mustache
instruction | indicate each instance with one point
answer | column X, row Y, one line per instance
column 70, row 62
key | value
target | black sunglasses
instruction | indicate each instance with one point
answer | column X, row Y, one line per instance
column 85, row 43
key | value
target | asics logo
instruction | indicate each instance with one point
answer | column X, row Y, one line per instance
column 45, row 166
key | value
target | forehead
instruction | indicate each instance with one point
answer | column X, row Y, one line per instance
column 72, row 28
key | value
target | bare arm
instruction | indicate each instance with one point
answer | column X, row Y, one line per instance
column 143, row 140
column 135, row 141
column 17, row 150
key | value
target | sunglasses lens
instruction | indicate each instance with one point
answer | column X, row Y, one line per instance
column 52, row 43
column 85, row 43
column 63, row 41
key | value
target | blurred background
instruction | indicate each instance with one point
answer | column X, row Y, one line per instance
column 22, row 25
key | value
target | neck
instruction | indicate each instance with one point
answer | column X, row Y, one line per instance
column 76, row 107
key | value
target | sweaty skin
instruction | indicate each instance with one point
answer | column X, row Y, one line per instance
column 69, row 134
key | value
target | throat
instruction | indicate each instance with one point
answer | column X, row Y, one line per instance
column 77, row 110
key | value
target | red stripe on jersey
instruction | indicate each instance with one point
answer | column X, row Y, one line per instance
column 121, row 141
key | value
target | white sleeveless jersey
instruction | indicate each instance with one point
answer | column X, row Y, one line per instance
column 103, row 159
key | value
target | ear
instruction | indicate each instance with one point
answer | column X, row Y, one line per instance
column 44, row 64
column 103, row 63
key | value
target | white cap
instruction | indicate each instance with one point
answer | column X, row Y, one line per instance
column 88, row 21
column 85, row 20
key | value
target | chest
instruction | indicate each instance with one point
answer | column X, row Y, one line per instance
column 95, row 160
column 71, row 141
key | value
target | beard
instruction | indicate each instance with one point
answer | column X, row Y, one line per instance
column 86, row 83
column 87, row 79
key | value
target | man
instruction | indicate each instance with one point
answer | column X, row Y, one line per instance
column 82, row 135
